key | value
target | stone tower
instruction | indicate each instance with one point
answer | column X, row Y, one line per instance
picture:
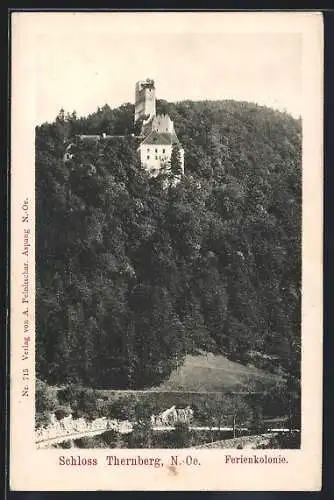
column 145, row 100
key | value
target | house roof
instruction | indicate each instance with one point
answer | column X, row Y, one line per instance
column 161, row 138
column 89, row 137
column 98, row 137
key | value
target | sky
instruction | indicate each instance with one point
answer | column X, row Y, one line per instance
column 80, row 68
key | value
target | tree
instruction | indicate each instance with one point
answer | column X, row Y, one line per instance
column 87, row 405
column 141, row 436
column 45, row 397
column 181, row 436
column 62, row 412
column 175, row 161
column 46, row 402
column 159, row 334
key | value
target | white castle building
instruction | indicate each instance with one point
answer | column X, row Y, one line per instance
column 158, row 132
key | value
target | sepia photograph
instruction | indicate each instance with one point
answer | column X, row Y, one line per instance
column 169, row 202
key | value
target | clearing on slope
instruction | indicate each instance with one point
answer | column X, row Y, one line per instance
column 210, row 372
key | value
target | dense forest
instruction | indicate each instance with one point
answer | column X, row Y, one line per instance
column 133, row 275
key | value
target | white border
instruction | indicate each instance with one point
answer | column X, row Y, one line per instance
column 32, row 469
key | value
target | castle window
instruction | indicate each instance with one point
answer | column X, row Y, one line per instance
column 164, row 151
column 156, row 150
column 156, row 157
column 148, row 150
column 148, row 157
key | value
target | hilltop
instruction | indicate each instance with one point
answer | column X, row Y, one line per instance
column 133, row 278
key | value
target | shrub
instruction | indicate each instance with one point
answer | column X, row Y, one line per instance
column 68, row 395
column 89, row 442
column 141, row 436
column 87, row 404
column 46, row 402
column 62, row 412
column 181, row 435
column 45, row 398
column 112, row 439
column 43, row 419
column 65, row 444
column 289, row 440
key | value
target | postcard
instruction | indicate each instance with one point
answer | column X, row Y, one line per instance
column 166, row 251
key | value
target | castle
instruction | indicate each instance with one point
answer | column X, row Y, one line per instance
column 157, row 131
column 157, row 136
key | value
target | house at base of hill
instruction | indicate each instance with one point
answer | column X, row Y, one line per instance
column 158, row 133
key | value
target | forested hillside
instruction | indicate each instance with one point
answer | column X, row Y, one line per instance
column 131, row 277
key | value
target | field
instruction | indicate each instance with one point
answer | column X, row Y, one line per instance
column 215, row 373
column 200, row 379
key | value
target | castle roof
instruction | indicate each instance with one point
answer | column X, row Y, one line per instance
column 98, row 137
column 161, row 138
column 89, row 137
